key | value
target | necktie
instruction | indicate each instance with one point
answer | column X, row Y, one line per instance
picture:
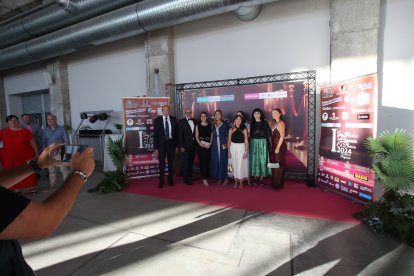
column 167, row 129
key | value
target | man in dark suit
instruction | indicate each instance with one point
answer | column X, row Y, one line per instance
column 165, row 140
column 187, row 144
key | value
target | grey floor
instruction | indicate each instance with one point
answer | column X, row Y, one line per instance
column 126, row 234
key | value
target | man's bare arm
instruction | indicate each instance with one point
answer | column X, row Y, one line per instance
column 41, row 219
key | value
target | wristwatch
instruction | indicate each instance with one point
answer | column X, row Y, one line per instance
column 33, row 164
column 81, row 174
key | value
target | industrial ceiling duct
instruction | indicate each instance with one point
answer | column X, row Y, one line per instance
column 125, row 22
column 64, row 13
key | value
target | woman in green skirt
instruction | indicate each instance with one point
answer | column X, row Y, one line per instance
column 260, row 139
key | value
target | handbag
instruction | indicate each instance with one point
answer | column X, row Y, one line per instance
column 229, row 169
column 273, row 165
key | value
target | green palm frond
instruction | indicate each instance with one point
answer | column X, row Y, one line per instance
column 393, row 159
column 117, row 153
column 374, row 146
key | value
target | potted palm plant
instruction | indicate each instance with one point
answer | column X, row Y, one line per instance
column 114, row 181
column 393, row 164
column 119, row 127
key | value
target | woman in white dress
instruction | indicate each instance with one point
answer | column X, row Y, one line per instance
column 238, row 145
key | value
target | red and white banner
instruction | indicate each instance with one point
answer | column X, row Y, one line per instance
column 348, row 117
column 138, row 117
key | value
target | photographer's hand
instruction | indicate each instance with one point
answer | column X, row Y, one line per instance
column 83, row 161
column 45, row 159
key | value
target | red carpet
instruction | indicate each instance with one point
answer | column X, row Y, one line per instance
column 296, row 199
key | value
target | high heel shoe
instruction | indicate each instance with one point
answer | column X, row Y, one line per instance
column 224, row 183
column 255, row 181
column 261, row 182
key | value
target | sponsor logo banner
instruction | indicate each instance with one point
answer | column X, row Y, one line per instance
column 343, row 159
column 138, row 116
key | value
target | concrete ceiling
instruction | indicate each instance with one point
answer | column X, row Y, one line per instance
column 10, row 8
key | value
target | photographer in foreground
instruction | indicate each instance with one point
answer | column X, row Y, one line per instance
column 24, row 219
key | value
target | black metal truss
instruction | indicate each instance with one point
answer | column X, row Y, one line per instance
column 310, row 76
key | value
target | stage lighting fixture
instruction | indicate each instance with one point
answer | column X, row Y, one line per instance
column 94, row 118
column 103, row 116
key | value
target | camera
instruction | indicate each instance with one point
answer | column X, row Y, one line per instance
column 67, row 151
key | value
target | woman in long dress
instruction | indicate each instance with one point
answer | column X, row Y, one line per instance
column 238, row 151
column 277, row 154
column 19, row 146
column 203, row 137
column 219, row 153
column 246, row 124
column 260, row 134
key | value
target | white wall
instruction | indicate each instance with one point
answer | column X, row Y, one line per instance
column 30, row 78
column 396, row 102
column 287, row 36
column 100, row 76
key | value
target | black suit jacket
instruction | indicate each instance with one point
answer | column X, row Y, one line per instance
column 186, row 137
column 159, row 132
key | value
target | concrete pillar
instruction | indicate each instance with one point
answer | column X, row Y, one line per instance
column 59, row 91
column 3, row 109
column 160, row 65
column 354, row 38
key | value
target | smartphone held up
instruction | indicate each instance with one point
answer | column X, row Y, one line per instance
column 68, row 151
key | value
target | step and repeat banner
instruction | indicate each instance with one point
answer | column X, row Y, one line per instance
column 290, row 96
column 138, row 117
column 348, row 117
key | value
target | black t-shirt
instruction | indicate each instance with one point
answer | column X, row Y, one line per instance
column 11, row 258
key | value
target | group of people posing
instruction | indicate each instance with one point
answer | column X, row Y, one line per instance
column 248, row 151
column 20, row 143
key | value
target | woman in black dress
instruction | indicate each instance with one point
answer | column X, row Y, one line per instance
column 203, row 138
column 277, row 154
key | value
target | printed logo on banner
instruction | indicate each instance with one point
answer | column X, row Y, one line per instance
column 365, row 196
column 361, row 177
column 152, row 110
column 131, row 104
column 327, row 94
column 334, row 117
column 345, row 143
column 361, row 168
column 365, row 189
column 349, row 99
column 339, row 99
column 342, row 90
column 363, row 116
column 344, row 189
column 361, row 110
